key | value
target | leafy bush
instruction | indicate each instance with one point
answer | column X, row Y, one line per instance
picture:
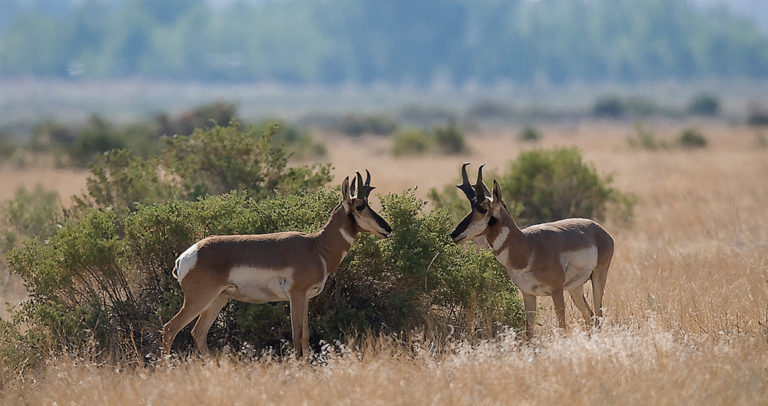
column 692, row 138
column 645, row 139
column 104, row 280
column 445, row 140
column 7, row 147
column 212, row 161
column 545, row 185
column 29, row 214
column 704, row 104
column 297, row 142
column 98, row 136
column 530, row 134
column 356, row 125
column 203, row 117
column 609, row 106
column 449, row 139
column 410, row 142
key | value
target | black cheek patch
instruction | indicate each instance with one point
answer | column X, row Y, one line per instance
column 382, row 223
column 461, row 227
column 492, row 221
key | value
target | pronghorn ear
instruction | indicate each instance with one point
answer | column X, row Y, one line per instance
column 496, row 191
column 345, row 189
column 353, row 189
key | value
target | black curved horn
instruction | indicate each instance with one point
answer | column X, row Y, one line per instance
column 465, row 186
column 480, row 187
column 363, row 189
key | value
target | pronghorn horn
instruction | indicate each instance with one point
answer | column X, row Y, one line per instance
column 367, row 187
column 480, row 186
column 465, row 186
column 363, row 189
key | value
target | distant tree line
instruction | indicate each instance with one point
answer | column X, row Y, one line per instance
column 370, row 41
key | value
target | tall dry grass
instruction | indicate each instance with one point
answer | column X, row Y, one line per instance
column 686, row 302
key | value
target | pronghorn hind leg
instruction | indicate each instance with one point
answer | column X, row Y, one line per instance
column 529, row 302
column 194, row 304
column 204, row 323
column 577, row 295
column 299, row 306
column 559, row 301
column 599, row 277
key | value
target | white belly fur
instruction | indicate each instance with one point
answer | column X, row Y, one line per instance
column 257, row 285
column 577, row 266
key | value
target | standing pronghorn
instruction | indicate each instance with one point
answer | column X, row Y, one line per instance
column 544, row 259
column 265, row 268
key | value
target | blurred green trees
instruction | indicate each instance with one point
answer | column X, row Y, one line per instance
column 367, row 41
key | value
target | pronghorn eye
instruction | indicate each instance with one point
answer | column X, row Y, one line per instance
column 481, row 210
column 360, row 208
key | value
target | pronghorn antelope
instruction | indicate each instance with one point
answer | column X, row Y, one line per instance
column 543, row 259
column 275, row 267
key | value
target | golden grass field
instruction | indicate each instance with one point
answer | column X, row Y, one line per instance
column 686, row 300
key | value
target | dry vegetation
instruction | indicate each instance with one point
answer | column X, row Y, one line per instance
column 687, row 303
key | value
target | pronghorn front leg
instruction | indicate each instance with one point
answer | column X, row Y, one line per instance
column 559, row 301
column 299, row 323
column 529, row 302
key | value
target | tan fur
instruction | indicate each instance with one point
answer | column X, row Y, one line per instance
column 262, row 268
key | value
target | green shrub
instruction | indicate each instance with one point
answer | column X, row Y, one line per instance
column 444, row 140
column 29, row 214
column 449, row 139
column 356, row 125
column 98, row 136
column 7, row 147
column 203, row 117
column 104, row 280
column 692, row 138
column 410, row 142
column 645, row 139
column 529, row 134
column 609, row 106
column 545, row 185
column 212, row 161
column 298, row 143
column 704, row 104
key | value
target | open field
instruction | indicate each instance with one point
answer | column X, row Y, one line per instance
column 686, row 299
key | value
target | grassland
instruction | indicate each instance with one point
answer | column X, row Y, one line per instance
column 686, row 301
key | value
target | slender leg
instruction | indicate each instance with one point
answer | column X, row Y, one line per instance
column 598, row 288
column 559, row 301
column 577, row 295
column 298, row 315
column 305, row 333
column 204, row 323
column 194, row 304
column 529, row 301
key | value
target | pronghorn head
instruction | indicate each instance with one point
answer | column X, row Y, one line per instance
column 355, row 203
column 486, row 207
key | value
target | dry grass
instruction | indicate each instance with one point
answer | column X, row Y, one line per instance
column 687, row 303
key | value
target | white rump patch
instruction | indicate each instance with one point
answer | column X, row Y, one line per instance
column 348, row 238
column 578, row 266
column 186, row 261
